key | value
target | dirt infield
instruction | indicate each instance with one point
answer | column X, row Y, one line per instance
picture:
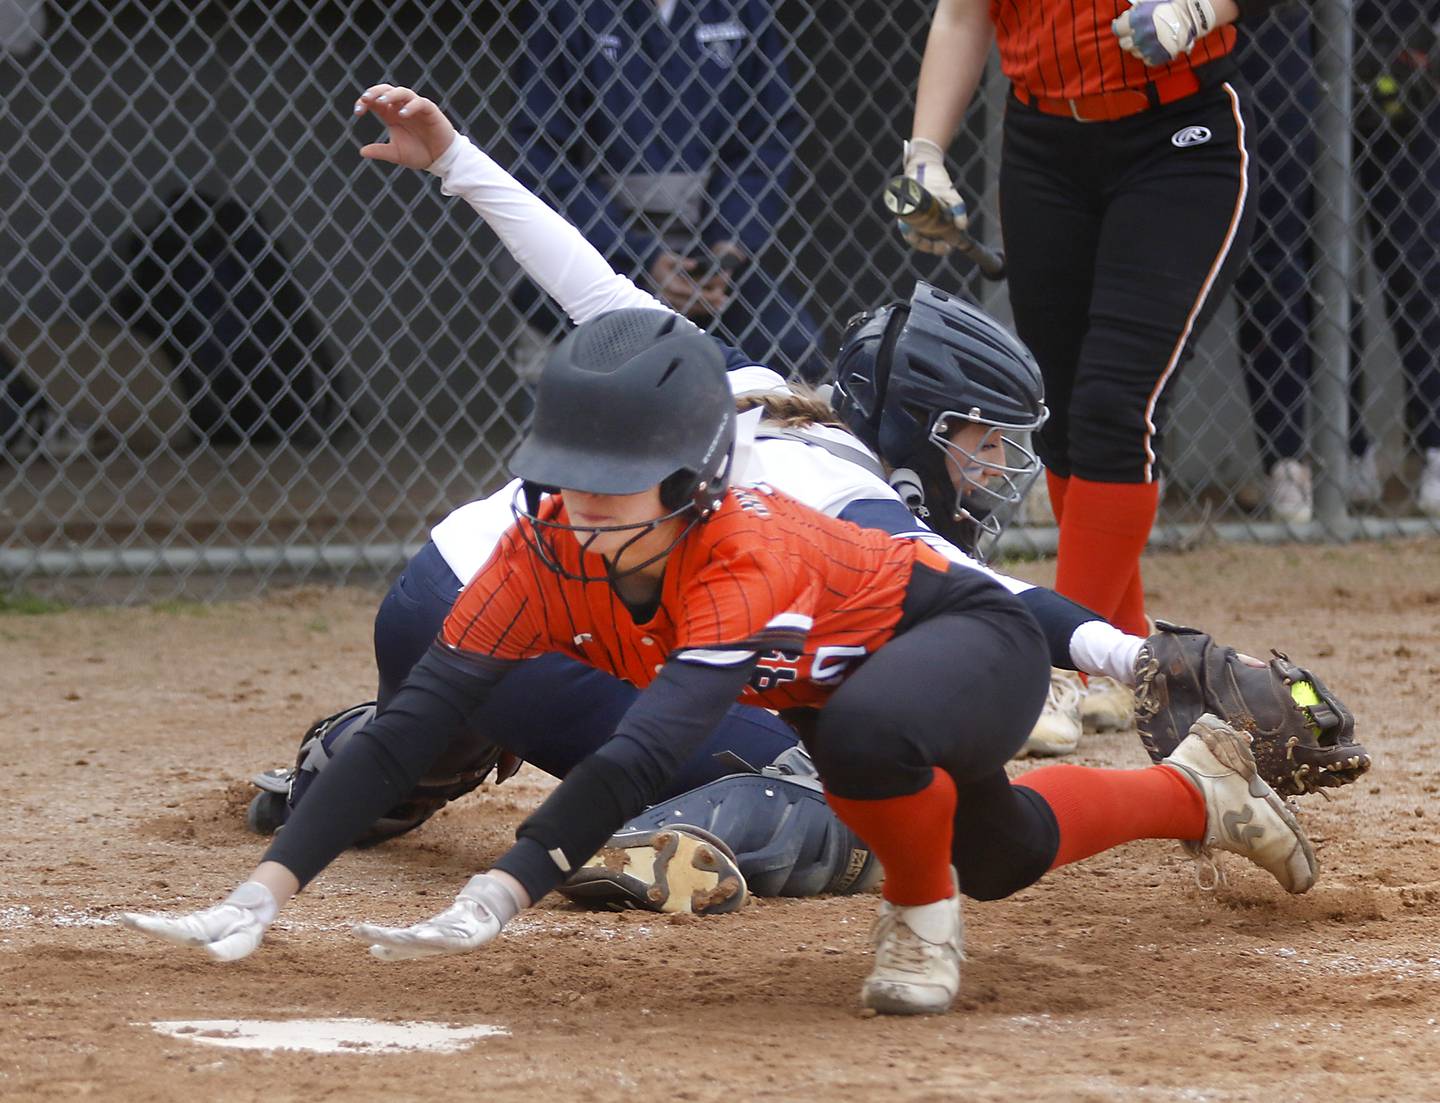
column 128, row 734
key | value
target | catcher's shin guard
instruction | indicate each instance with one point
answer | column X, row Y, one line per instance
column 282, row 789
column 786, row 839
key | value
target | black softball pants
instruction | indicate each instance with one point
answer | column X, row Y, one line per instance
column 1121, row 239
column 959, row 688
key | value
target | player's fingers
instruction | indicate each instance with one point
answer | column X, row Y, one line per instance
column 374, row 92
column 241, row 943
column 395, row 99
column 164, row 927
column 419, row 109
column 934, row 245
column 386, row 952
column 380, row 151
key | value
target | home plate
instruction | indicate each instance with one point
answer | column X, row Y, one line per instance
column 329, row 1035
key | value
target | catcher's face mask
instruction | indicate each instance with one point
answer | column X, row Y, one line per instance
column 988, row 466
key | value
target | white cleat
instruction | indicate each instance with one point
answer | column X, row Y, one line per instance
column 1242, row 814
column 1057, row 732
column 1107, row 706
column 1289, row 493
column 1363, row 485
column 918, row 951
column 1429, row 496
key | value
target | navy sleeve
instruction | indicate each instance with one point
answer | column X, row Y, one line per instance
column 749, row 187
column 555, row 158
column 1058, row 618
column 662, row 729
column 887, row 515
column 382, row 763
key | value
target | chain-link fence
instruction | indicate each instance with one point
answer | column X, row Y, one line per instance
column 235, row 352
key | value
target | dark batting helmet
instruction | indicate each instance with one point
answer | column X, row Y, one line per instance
column 908, row 375
column 630, row 400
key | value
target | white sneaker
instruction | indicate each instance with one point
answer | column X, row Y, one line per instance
column 1057, row 732
column 1429, row 497
column 1289, row 496
column 1362, row 478
column 1242, row 814
column 1107, row 706
column 918, row 952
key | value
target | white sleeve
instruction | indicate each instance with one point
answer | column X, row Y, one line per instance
column 1098, row 647
column 552, row 252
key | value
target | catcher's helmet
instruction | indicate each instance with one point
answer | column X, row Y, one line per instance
column 910, row 374
column 630, row 400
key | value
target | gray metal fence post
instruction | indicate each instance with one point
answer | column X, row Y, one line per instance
column 1334, row 221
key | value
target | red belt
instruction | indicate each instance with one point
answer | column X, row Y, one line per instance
column 1107, row 106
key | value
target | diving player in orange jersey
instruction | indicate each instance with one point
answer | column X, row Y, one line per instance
column 913, row 681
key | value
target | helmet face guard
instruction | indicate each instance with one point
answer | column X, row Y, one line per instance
column 540, row 535
column 910, row 374
column 988, row 482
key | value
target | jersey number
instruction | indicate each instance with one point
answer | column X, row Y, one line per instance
column 833, row 663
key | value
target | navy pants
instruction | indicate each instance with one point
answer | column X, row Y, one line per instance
column 552, row 711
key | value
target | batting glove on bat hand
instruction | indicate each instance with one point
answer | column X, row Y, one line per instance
column 1159, row 31
column 925, row 163
column 479, row 913
column 1302, row 735
column 229, row 931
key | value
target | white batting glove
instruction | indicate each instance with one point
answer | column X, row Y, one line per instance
column 1159, row 31
column 925, row 163
column 479, row 913
column 229, row 931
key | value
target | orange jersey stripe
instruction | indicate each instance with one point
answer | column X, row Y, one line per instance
column 1063, row 49
column 766, row 575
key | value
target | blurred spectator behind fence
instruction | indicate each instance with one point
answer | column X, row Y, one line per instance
column 666, row 131
column 1397, row 161
column 30, row 427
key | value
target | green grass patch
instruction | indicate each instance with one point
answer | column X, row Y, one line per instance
column 178, row 607
column 22, row 603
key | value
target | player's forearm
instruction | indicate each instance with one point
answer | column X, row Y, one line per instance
column 663, row 728
column 551, row 250
column 955, row 54
column 383, row 762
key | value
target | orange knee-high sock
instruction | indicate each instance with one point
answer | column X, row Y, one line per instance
column 1097, row 809
column 1101, row 537
column 1057, row 485
column 1130, row 613
column 911, row 836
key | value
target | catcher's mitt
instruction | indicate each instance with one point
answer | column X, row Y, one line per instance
column 1302, row 740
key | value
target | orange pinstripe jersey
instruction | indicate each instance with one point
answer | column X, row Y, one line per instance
column 766, row 575
column 1062, row 49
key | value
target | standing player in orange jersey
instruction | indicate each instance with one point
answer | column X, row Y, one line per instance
column 914, row 681
column 1126, row 213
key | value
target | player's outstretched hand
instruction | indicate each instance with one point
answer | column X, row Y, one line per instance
column 1159, row 31
column 925, row 162
column 229, row 931
column 419, row 131
column 480, row 911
